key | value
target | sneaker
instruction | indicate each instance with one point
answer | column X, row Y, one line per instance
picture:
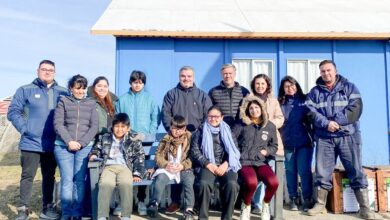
column 49, row 212
column 23, row 213
column 256, row 210
column 265, row 214
column 294, row 204
column 307, row 204
column 152, row 209
column 141, row 208
column 245, row 212
column 173, row 208
column 188, row 215
column 117, row 211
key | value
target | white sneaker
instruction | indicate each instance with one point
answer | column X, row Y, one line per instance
column 265, row 213
column 245, row 212
column 117, row 211
column 141, row 208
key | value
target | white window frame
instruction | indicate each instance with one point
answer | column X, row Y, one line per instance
column 252, row 64
column 305, row 86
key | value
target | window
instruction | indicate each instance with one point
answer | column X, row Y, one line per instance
column 305, row 72
column 248, row 68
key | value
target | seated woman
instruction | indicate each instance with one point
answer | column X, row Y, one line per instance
column 123, row 163
column 256, row 139
column 215, row 154
column 174, row 164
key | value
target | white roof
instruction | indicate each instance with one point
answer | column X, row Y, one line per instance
column 316, row 19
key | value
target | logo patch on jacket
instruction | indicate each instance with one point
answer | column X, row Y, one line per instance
column 264, row 135
column 37, row 96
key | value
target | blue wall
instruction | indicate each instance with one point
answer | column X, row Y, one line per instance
column 363, row 62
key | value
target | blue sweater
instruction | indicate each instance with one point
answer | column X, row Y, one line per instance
column 142, row 110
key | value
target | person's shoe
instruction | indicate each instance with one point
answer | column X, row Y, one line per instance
column 49, row 212
column 256, row 210
column 23, row 213
column 188, row 215
column 265, row 213
column 117, row 211
column 245, row 212
column 320, row 206
column 77, row 218
column 141, row 208
column 67, row 218
column 152, row 209
column 102, row 218
column 125, row 218
column 172, row 208
column 307, row 204
column 364, row 204
column 294, row 204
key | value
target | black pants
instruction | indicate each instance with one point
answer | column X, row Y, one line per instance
column 29, row 162
column 229, row 189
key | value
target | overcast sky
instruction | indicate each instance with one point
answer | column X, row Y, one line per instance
column 33, row 30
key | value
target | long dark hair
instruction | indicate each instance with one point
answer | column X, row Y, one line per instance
column 282, row 94
column 106, row 101
column 267, row 80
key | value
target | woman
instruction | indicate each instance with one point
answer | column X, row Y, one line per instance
column 297, row 142
column 216, row 157
column 76, row 124
column 99, row 91
column 256, row 140
column 262, row 88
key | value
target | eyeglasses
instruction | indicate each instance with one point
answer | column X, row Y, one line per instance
column 47, row 70
column 214, row 116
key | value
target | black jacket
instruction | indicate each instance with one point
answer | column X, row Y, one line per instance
column 229, row 103
column 191, row 103
column 196, row 154
column 133, row 152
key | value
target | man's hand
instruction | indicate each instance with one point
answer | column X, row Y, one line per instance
column 333, row 126
column 74, row 146
column 92, row 157
column 221, row 170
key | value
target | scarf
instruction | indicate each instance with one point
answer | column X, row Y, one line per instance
column 174, row 143
column 227, row 139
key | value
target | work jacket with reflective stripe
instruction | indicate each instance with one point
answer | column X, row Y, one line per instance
column 342, row 104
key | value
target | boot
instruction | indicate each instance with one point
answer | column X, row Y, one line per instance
column 319, row 207
column 362, row 198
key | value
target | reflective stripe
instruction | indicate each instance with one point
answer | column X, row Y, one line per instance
column 340, row 103
column 355, row 96
column 316, row 105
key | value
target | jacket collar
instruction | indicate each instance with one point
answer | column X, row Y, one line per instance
column 42, row 84
column 186, row 89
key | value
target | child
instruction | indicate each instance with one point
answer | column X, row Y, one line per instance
column 174, row 164
column 123, row 163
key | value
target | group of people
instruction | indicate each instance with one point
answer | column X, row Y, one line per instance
column 228, row 135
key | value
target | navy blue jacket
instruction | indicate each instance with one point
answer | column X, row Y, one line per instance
column 343, row 104
column 31, row 113
column 295, row 131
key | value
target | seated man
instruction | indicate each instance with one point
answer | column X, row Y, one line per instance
column 123, row 159
column 174, row 164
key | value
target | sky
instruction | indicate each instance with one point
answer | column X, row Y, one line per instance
column 34, row 30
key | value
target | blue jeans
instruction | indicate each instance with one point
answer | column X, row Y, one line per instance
column 298, row 161
column 73, row 171
column 349, row 150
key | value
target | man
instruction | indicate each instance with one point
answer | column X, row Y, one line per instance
column 228, row 94
column 190, row 102
column 31, row 112
column 336, row 106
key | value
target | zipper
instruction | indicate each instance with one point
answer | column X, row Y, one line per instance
column 78, row 118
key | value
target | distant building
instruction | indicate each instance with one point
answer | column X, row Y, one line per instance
column 272, row 37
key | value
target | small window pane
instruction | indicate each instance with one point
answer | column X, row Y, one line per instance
column 314, row 73
column 298, row 70
column 243, row 72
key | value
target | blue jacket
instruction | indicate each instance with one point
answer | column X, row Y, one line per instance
column 343, row 104
column 295, row 131
column 31, row 113
column 142, row 110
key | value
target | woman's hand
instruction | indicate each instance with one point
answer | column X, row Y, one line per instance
column 136, row 179
column 263, row 152
column 211, row 167
column 74, row 146
column 221, row 170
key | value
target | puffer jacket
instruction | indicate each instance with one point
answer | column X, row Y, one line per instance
column 142, row 110
column 76, row 120
column 105, row 120
column 31, row 112
column 133, row 152
column 253, row 138
column 228, row 104
column 296, row 130
column 164, row 149
column 191, row 103
column 196, row 153
column 343, row 104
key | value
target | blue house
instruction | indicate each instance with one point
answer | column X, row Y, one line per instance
column 277, row 38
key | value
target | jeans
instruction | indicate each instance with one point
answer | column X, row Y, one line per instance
column 73, row 171
column 298, row 161
column 349, row 150
column 115, row 175
column 229, row 189
column 30, row 161
column 187, row 182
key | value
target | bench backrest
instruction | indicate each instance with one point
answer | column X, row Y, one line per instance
column 150, row 149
